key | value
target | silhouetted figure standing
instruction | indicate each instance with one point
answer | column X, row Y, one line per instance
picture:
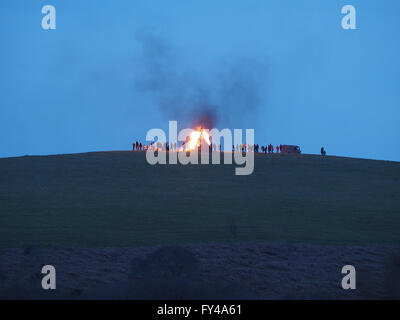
column 323, row 152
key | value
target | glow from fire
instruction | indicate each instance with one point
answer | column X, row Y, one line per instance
column 196, row 137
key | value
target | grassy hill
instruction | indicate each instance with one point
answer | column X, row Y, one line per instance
column 117, row 199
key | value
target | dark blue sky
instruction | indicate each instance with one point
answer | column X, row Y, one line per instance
column 302, row 79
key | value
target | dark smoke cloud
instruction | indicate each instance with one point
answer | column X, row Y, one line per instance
column 228, row 95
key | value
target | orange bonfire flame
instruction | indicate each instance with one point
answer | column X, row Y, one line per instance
column 196, row 138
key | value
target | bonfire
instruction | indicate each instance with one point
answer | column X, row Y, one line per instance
column 196, row 138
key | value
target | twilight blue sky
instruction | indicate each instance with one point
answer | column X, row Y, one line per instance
column 309, row 82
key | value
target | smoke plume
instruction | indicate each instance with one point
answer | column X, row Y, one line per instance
column 228, row 95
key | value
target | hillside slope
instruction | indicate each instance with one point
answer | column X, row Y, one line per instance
column 117, row 199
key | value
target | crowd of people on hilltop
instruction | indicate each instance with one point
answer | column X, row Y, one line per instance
column 270, row 148
column 138, row 146
column 255, row 148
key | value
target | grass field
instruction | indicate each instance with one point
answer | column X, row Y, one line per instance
column 111, row 199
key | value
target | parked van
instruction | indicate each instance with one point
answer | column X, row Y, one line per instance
column 290, row 149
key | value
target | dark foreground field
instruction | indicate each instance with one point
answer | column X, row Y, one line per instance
column 212, row 271
column 117, row 199
column 283, row 232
